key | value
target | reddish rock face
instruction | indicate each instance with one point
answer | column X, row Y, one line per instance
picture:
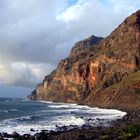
column 97, row 71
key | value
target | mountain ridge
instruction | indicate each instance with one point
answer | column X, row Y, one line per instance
column 102, row 72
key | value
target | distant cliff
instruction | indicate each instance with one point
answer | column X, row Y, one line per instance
column 99, row 72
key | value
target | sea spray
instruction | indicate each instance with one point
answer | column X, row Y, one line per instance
column 22, row 115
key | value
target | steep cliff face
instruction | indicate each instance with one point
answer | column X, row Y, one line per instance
column 99, row 72
column 80, row 46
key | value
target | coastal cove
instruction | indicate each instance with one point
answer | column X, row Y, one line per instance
column 99, row 72
column 60, row 121
column 30, row 117
column 92, row 94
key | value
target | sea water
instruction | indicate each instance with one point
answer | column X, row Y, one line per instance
column 25, row 116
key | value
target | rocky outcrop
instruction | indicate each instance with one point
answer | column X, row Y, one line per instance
column 80, row 46
column 99, row 72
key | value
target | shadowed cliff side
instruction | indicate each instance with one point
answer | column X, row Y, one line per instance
column 99, row 72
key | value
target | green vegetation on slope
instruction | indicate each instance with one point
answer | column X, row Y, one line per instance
column 128, row 81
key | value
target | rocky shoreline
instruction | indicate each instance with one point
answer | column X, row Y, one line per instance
column 127, row 128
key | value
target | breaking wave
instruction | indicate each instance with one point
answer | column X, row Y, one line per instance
column 24, row 116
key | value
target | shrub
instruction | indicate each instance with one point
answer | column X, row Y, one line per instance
column 131, row 130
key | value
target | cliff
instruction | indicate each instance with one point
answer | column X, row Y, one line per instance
column 99, row 72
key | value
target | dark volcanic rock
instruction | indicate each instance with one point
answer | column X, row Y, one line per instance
column 99, row 72
column 26, row 136
column 1, row 138
column 32, row 129
column 15, row 135
column 127, row 128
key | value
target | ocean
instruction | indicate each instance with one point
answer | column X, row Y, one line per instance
column 30, row 117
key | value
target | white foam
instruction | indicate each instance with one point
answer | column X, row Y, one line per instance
column 58, row 103
column 26, row 117
column 25, row 128
column 66, row 115
column 47, row 102
column 5, row 111
column 58, row 106
column 69, row 120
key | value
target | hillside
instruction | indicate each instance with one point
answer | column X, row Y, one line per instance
column 103, row 72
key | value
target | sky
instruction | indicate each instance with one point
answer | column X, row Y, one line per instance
column 36, row 34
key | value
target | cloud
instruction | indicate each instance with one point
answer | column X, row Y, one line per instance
column 23, row 74
column 35, row 35
column 99, row 17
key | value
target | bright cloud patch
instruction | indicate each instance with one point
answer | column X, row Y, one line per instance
column 22, row 74
column 74, row 12
column 35, row 35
